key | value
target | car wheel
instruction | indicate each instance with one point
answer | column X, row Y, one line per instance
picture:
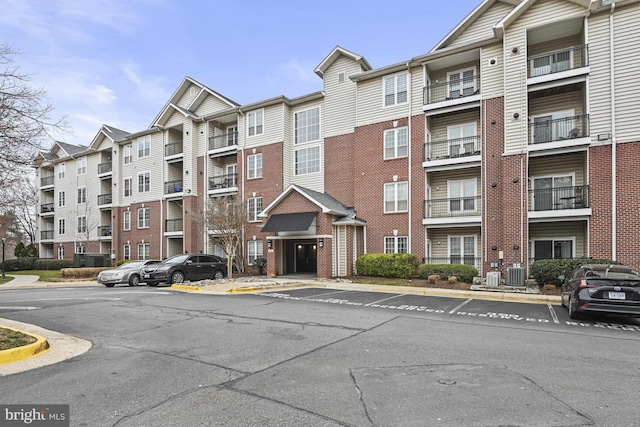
column 177, row 277
column 573, row 314
column 218, row 275
column 134, row 280
column 109, row 285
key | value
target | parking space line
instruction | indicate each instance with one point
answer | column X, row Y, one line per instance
column 386, row 299
column 553, row 314
column 460, row 306
column 326, row 293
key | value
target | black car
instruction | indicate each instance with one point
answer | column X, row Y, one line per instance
column 179, row 268
column 601, row 288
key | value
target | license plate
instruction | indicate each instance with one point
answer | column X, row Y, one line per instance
column 617, row 295
column 146, row 276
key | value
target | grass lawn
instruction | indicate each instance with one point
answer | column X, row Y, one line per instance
column 12, row 339
column 45, row 275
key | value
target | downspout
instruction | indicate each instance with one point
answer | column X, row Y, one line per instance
column 242, row 140
column 205, row 186
column 614, row 187
column 409, row 151
column 162, row 200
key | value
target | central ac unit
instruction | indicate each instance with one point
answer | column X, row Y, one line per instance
column 493, row 279
column 515, row 276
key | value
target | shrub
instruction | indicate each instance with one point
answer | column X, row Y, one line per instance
column 464, row 273
column 452, row 279
column 260, row 264
column 433, row 279
column 402, row 266
column 20, row 264
column 546, row 271
column 82, row 273
column 52, row 264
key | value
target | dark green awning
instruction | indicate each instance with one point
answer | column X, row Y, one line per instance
column 289, row 222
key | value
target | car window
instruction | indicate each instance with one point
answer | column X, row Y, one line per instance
column 206, row 259
column 177, row 259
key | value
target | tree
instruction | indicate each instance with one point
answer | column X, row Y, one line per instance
column 226, row 218
column 20, row 203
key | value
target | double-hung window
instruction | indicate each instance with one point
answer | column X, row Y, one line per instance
column 396, row 244
column 126, row 252
column 144, row 182
column 307, row 125
column 254, row 250
column 128, row 187
column 254, row 166
column 144, row 249
column 254, row 125
column 82, row 224
column 60, row 252
column 62, row 226
column 126, row 221
column 144, row 217
column 254, row 207
column 128, row 157
column 396, row 197
column 462, row 196
column 82, row 195
column 144, row 146
column 395, row 89
column 82, row 165
column 307, row 160
column 395, row 143
column 62, row 199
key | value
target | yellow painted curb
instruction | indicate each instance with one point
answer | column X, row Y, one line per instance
column 186, row 288
column 240, row 290
column 26, row 351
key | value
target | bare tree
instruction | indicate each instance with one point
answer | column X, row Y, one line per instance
column 226, row 218
column 21, row 203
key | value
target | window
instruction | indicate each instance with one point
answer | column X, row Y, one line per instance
column 396, row 197
column 144, row 180
column 254, row 166
column 82, row 195
column 462, row 83
column 126, row 252
column 255, row 122
column 462, row 140
column 144, row 217
column 462, row 196
column 60, row 252
column 232, row 135
column 62, row 170
column 144, row 146
column 395, row 89
column 555, row 248
column 307, row 161
column 232, row 176
column 551, row 63
column 396, row 245
column 143, row 250
column 82, row 165
column 81, row 249
column 307, row 125
column 462, row 250
column 554, row 192
column 254, row 250
column 126, row 221
column 62, row 226
column 128, row 157
column 128, row 187
column 62, row 199
column 254, row 207
column 82, row 224
column 555, row 127
column 395, row 143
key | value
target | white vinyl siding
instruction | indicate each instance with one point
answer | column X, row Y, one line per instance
column 492, row 76
column 339, row 116
column 599, row 77
column 482, row 28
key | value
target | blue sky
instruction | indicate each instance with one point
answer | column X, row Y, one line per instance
column 117, row 62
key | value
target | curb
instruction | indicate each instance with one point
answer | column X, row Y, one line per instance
column 186, row 288
column 26, row 351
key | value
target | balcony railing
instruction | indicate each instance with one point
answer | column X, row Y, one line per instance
column 453, row 89
column 559, row 198
column 46, row 207
column 173, row 187
column 455, row 259
column 547, row 129
column 452, row 148
column 46, row 235
column 173, row 148
column 173, row 225
column 105, row 199
column 105, row 168
column 558, row 60
column 47, row 180
column 453, row 207
column 223, row 181
column 104, row 231
column 225, row 140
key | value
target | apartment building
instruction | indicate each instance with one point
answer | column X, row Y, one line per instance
column 512, row 140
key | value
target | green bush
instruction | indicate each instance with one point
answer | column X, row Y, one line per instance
column 547, row 271
column 402, row 266
column 464, row 273
column 20, row 264
column 52, row 264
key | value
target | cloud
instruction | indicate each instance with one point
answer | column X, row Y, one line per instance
column 293, row 78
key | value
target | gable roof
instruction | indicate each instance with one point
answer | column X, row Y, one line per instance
column 336, row 53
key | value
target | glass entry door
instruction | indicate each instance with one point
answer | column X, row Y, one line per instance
column 306, row 258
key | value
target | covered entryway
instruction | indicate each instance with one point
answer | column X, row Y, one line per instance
column 306, row 257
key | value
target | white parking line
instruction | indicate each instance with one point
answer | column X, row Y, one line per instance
column 17, row 307
column 321, row 295
column 553, row 314
column 460, row 306
column 386, row 299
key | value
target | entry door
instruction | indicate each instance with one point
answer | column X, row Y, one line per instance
column 306, row 258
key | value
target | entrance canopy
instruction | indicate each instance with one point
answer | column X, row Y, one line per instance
column 289, row 222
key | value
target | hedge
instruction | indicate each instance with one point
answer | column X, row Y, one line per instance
column 402, row 266
column 82, row 273
column 464, row 273
column 547, row 271
column 20, row 264
column 52, row 264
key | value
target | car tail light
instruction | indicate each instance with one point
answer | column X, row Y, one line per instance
column 583, row 284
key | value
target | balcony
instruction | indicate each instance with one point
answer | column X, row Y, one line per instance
column 558, row 61
column 223, row 141
column 47, row 208
column 457, row 150
column 547, row 129
column 453, row 207
column 46, row 235
column 173, row 149
column 173, row 225
column 171, row 187
column 104, row 199
column 104, row 231
column 46, row 181
column 559, row 198
column 452, row 90
column 455, row 259
column 104, row 168
column 223, row 181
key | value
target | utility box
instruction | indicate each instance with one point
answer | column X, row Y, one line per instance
column 515, row 276
column 91, row 260
column 493, row 279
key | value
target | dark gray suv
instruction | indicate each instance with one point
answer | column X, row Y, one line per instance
column 180, row 268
